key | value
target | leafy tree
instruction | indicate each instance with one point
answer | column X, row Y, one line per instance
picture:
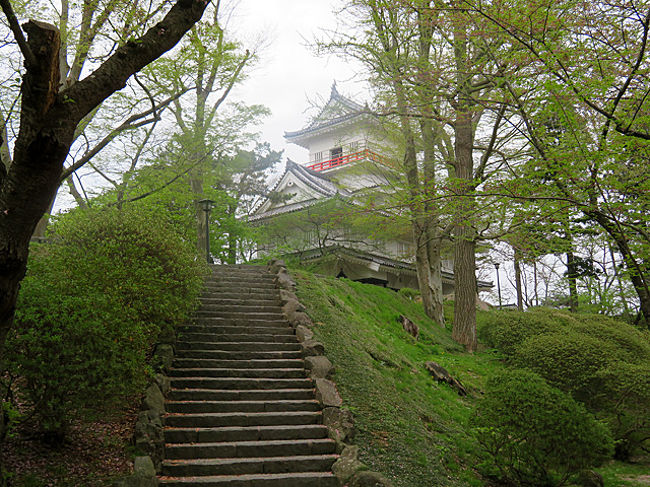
column 592, row 83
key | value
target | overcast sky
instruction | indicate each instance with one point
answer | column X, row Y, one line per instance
column 290, row 74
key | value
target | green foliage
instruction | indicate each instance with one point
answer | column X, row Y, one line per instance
column 624, row 401
column 567, row 360
column 409, row 293
column 533, row 434
column 91, row 306
column 600, row 361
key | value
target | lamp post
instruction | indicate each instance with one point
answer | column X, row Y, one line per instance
column 496, row 266
column 206, row 206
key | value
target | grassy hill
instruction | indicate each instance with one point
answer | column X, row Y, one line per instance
column 412, row 429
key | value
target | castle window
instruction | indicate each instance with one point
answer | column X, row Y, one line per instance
column 336, row 152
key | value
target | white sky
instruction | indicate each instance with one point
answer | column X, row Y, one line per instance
column 290, row 75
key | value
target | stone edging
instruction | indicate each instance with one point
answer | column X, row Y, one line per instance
column 340, row 423
column 148, row 436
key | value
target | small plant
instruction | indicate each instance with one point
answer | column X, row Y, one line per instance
column 534, row 434
column 409, row 293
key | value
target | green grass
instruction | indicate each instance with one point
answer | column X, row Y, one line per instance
column 410, row 428
column 620, row 474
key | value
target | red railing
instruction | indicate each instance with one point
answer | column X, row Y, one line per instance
column 362, row 155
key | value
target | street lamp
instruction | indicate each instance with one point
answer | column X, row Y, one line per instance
column 496, row 266
column 206, row 206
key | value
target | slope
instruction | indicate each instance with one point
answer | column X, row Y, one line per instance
column 410, row 428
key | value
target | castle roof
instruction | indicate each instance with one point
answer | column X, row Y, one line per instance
column 337, row 110
column 319, row 184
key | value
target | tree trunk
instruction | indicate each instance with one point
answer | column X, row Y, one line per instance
column 518, row 287
column 464, row 330
column 572, row 278
column 635, row 269
column 435, row 266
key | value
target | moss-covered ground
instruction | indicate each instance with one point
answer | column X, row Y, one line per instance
column 410, row 428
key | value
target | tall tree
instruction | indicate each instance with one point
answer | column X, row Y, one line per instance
column 50, row 115
column 591, row 65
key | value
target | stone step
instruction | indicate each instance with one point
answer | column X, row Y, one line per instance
column 192, row 407
column 198, row 394
column 286, row 337
column 238, row 274
column 206, row 420
column 239, row 383
column 293, row 479
column 275, row 373
column 238, row 267
column 238, row 315
column 239, row 355
column 245, row 433
column 239, row 308
column 237, row 300
column 240, row 321
column 244, row 273
column 239, row 293
column 239, row 364
column 236, row 330
column 253, row 465
column 239, row 346
column 237, row 285
column 247, row 449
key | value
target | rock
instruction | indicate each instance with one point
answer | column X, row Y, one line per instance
column 339, row 422
column 167, row 335
column 303, row 333
column 163, row 382
column 284, row 281
column 311, row 348
column 149, row 437
column 369, row 479
column 348, row 464
column 275, row 265
column 589, row 478
column 143, row 467
column 319, row 367
column 292, row 306
column 409, row 327
column 286, row 296
column 327, row 394
column 441, row 375
column 299, row 318
column 154, row 400
column 163, row 357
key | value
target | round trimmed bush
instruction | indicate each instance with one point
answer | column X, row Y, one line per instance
column 566, row 360
column 534, row 434
column 92, row 305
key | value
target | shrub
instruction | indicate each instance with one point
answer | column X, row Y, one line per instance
column 567, row 360
column 90, row 308
column 534, row 434
column 505, row 330
column 624, row 402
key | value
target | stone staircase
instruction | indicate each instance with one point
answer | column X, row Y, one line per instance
column 242, row 411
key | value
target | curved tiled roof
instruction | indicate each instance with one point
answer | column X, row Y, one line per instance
column 353, row 110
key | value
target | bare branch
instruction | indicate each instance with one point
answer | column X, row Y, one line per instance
column 30, row 59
